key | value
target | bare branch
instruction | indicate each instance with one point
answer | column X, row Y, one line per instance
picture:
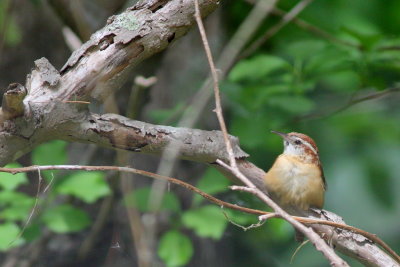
column 218, row 108
column 95, row 70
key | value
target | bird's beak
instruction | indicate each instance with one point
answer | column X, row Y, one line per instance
column 283, row 135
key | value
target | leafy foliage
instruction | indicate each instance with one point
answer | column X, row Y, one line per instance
column 175, row 249
column 15, row 206
column 88, row 186
column 51, row 153
column 65, row 219
column 9, row 233
column 212, row 182
column 207, row 221
column 10, row 181
column 140, row 199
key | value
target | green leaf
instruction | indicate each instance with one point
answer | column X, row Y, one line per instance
column 139, row 199
column 51, row 153
column 15, row 205
column 207, row 221
column 87, row 186
column 12, row 197
column 9, row 232
column 257, row 67
column 10, row 181
column 175, row 249
column 212, row 182
column 18, row 210
column 65, row 219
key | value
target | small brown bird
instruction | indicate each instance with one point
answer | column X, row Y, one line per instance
column 296, row 180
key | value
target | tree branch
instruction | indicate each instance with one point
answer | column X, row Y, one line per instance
column 93, row 71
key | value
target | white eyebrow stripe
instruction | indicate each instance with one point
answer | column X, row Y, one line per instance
column 307, row 144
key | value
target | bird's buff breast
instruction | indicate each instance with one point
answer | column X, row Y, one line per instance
column 295, row 183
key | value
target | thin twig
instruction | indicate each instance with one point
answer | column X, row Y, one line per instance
column 206, row 196
column 218, row 109
column 32, row 212
column 245, row 228
column 76, row 102
column 298, row 249
column 319, row 243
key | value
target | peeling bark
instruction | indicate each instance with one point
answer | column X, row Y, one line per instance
column 93, row 71
column 115, row 131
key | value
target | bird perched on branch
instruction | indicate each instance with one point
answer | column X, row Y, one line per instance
column 296, row 180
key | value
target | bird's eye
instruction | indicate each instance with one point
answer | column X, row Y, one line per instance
column 297, row 142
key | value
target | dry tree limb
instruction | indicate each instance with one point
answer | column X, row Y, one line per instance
column 99, row 67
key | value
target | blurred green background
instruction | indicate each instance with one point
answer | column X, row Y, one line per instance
column 334, row 76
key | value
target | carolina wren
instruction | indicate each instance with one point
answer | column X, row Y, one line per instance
column 296, row 180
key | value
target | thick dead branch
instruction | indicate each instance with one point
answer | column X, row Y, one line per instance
column 94, row 71
column 115, row 131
